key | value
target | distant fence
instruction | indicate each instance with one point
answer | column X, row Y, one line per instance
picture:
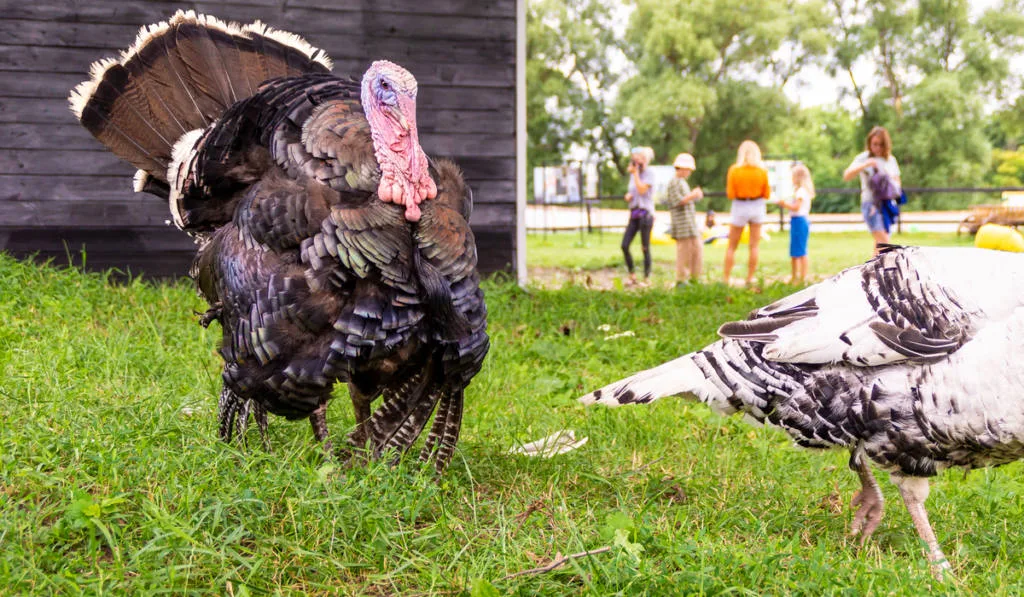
column 588, row 205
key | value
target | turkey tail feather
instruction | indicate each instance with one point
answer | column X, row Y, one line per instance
column 680, row 376
column 178, row 76
column 729, row 376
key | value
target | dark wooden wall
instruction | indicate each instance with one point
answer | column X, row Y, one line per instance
column 60, row 190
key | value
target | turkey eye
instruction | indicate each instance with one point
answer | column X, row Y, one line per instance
column 385, row 85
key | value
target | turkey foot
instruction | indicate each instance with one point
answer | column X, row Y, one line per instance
column 212, row 314
column 868, row 500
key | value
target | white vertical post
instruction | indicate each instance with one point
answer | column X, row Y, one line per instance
column 521, row 180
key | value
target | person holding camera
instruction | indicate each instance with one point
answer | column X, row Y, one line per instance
column 640, row 197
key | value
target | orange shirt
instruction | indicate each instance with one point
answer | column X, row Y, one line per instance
column 747, row 182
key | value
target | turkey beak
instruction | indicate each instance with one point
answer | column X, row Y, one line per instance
column 400, row 118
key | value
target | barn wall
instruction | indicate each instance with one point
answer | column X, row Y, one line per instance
column 60, row 190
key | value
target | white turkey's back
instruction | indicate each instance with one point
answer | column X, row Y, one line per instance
column 992, row 280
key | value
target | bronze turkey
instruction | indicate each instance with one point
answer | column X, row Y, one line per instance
column 331, row 248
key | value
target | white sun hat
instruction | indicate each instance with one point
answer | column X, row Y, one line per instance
column 685, row 160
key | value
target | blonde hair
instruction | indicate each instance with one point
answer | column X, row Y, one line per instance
column 749, row 154
column 802, row 178
column 646, row 152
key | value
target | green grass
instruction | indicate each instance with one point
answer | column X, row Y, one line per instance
column 112, row 481
column 827, row 253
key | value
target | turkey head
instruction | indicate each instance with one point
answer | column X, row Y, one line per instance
column 388, row 96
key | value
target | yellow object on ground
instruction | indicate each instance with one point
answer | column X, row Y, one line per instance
column 745, row 237
column 662, row 239
column 1000, row 238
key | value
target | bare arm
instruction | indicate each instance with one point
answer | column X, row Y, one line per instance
column 641, row 186
column 694, row 195
column 795, row 205
column 855, row 169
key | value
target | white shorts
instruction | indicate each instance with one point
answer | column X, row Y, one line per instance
column 751, row 211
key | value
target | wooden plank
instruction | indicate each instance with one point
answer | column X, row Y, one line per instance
column 101, row 240
column 429, row 72
column 499, row 100
column 143, row 210
column 134, row 211
column 61, row 136
column 44, row 85
column 47, row 161
column 53, row 33
column 480, row 8
column 303, row 21
column 492, row 191
column 495, row 249
column 493, row 215
column 42, row 200
column 49, row 136
column 99, row 161
column 470, row 145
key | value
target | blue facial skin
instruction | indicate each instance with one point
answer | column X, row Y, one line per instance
column 386, row 92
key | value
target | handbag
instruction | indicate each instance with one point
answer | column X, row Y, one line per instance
column 637, row 213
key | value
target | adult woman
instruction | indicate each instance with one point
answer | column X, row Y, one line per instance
column 747, row 187
column 641, row 210
column 877, row 157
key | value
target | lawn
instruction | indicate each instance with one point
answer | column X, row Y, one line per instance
column 600, row 254
column 112, row 480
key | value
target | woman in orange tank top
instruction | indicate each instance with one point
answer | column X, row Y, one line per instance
column 747, row 187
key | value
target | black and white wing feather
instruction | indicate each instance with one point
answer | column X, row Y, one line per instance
column 907, row 304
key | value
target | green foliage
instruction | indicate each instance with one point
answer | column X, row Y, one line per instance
column 1007, row 168
column 941, row 141
column 691, row 57
column 569, row 48
column 822, row 139
column 744, row 111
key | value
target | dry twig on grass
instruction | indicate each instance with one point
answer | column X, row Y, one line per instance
column 559, row 560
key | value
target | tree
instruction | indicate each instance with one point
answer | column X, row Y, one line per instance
column 570, row 80
column 687, row 50
column 825, row 140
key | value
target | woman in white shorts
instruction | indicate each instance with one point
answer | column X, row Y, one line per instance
column 747, row 187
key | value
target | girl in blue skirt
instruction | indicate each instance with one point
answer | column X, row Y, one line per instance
column 799, row 225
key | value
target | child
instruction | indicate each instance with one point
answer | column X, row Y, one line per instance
column 799, row 226
column 680, row 199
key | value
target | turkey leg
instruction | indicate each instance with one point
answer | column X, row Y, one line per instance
column 233, row 416
column 318, row 421
column 361, row 406
column 869, row 500
column 444, row 433
column 915, row 491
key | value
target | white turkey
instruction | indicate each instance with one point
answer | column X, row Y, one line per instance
column 913, row 361
column 331, row 248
